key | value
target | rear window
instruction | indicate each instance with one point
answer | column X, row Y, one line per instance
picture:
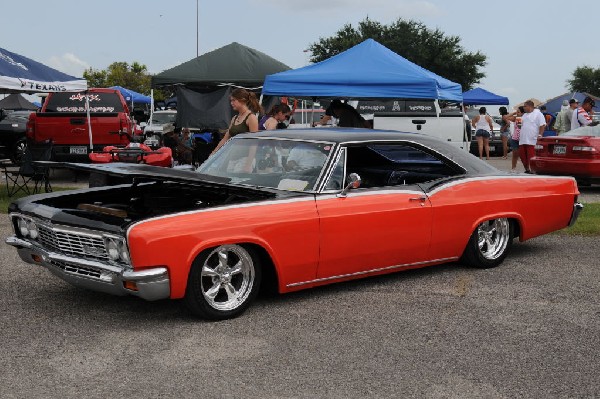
column 75, row 102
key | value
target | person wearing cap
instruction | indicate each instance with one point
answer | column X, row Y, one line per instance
column 563, row 118
column 582, row 116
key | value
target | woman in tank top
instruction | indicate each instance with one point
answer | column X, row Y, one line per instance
column 246, row 105
column 483, row 131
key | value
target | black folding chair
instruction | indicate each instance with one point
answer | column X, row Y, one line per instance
column 30, row 172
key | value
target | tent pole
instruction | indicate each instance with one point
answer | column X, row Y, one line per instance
column 89, row 120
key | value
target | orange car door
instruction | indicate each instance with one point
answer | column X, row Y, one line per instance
column 373, row 228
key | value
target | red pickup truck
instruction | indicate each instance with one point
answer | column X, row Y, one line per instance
column 63, row 119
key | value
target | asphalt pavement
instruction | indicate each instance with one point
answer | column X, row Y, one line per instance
column 529, row 328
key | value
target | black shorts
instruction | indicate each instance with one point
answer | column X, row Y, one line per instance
column 482, row 133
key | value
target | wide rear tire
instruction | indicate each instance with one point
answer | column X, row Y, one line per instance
column 489, row 244
column 223, row 282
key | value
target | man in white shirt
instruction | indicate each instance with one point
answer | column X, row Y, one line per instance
column 533, row 124
column 582, row 115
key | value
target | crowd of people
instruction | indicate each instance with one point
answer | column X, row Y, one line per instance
column 520, row 129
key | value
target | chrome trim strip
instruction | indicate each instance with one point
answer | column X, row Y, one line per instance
column 577, row 208
column 357, row 193
column 319, row 280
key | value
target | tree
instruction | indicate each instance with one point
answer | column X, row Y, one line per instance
column 586, row 80
column 430, row 49
column 134, row 77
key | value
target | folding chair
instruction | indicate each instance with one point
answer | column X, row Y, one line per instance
column 30, row 172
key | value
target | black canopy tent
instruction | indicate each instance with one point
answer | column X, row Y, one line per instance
column 234, row 64
column 203, row 80
column 16, row 102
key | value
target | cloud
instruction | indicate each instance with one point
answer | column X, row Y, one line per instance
column 396, row 8
column 68, row 63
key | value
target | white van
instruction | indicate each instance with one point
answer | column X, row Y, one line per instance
column 442, row 119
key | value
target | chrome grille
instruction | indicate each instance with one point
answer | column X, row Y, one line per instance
column 73, row 243
column 82, row 271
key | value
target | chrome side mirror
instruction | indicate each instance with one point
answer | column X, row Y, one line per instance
column 353, row 183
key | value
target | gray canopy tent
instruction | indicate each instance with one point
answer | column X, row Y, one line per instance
column 203, row 82
column 17, row 102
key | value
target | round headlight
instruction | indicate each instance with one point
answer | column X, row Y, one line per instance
column 112, row 248
column 33, row 230
column 22, row 224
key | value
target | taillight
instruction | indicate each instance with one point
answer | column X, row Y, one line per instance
column 583, row 148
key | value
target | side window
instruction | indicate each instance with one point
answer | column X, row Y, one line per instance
column 382, row 165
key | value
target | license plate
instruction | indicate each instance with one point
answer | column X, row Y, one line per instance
column 559, row 149
column 78, row 150
column 492, row 148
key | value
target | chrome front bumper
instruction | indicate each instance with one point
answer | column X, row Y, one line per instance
column 577, row 208
column 151, row 284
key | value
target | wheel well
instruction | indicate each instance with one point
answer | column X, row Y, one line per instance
column 270, row 283
column 516, row 227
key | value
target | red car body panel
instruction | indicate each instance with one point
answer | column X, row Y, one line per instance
column 577, row 163
column 366, row 233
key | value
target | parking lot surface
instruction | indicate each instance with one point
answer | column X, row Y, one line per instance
column 529, row 328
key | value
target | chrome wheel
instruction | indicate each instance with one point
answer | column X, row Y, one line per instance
column 493, row 237
column 227, row 277
column 489, row 244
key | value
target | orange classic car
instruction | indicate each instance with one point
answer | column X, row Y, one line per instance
column 289, row 209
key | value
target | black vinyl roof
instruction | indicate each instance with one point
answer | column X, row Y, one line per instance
column 354, row 135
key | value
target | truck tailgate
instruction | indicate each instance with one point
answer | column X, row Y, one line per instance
column 72, row 128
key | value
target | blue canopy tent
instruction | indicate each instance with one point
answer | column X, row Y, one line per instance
column 367, row 70
column 554, row 104
column 132, row 96
column 479, row 96
column 19, row 74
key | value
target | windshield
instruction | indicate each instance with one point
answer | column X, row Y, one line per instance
column 274, row 163
column 593, row 131
column 162, row 118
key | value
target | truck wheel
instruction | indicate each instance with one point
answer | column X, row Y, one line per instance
column 223, row 282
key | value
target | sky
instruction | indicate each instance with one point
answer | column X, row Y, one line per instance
column 532, row 46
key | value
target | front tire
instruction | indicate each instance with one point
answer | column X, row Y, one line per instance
column 223, row 282
column 489, row 244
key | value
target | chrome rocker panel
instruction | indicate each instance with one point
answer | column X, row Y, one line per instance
column 152, row 284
